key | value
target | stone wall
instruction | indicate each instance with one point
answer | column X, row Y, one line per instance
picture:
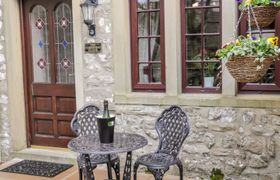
column 244, row 143
column 4, row 123
column 98, row 69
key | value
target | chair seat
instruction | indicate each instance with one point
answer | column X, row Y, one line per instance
column 157, row 160
column 97, row 159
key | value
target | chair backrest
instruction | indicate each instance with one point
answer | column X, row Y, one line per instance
column 84, row 121
column 172, row 127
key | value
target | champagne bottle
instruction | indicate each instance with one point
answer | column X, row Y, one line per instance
column 106, row 113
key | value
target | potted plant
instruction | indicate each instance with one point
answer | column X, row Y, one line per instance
column 264, row 11
column 216, row 174
column 248, row 59
column 209, row 74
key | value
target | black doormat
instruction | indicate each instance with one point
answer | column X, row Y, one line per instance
column 37, row 168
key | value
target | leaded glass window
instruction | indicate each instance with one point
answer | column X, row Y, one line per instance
column 147, row 27
column 40, row 45
column 64, row 44
column 201, row 38
column 270, row 83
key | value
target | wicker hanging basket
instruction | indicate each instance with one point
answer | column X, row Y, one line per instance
column 265, row 15
column 244, row 69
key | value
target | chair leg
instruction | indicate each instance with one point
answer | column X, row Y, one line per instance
column 80, row 173
column 180, row 166
column 116, row 167
column 158, row 173
column 135, row 167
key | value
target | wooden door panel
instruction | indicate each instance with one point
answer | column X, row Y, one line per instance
column 64, row 130
column 62, row 90
column 49, row 71
column 66, row 105
column 42, row 104
column 44, row 127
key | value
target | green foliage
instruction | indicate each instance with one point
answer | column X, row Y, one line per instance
column 216, row 174
column 255, row 3
column 259, row 48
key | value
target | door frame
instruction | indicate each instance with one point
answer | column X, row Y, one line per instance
column 16, row 69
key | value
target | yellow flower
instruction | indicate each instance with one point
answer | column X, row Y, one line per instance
column 273, row 41
column 248, row 2
column 237, row 42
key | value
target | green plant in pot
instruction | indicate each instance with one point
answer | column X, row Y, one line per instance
column 248, row 59
column 216, row 174
column 209, row 74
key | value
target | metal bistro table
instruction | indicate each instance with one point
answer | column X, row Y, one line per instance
column 123, row 142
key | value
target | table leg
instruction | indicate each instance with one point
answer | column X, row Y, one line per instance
column 88, row 174
column 109, row 168
column 127, row 168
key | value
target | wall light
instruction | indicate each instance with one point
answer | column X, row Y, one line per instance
column 88, row 13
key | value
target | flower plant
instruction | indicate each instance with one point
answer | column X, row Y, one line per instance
column 247, row 46
column 255, row 3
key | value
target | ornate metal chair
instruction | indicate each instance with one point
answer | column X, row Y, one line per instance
column 84, row 123
column 173, row 128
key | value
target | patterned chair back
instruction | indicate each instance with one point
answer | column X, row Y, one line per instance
column 173, row 128
column 84, row 121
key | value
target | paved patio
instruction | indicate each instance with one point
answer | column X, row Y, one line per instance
column 70, row 174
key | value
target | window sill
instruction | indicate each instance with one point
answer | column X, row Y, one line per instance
column 204, row 100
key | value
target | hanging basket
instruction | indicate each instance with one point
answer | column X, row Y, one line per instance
column 265, row 15
column 244, row 69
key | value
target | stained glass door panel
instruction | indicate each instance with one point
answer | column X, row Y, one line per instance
column 64, row 44
column 40, row 44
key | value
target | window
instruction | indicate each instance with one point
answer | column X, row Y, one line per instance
column 270, row 83
column 201, row 38
column 147, row 45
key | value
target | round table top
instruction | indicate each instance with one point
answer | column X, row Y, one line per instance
column 123, row 142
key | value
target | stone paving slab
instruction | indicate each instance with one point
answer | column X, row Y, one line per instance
column 70, row 174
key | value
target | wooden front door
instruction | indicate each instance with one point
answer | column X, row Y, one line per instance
column 49, row 70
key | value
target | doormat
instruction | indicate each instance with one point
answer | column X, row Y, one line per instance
column 37, row 168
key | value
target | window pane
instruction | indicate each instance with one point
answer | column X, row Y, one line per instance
column 269, row 76
column 155, row 49
column 142, row 4
column 193, row 21
column 64, row 44
column 154, row 4
column 40, row 45
column 156, row 73
column 143, row 73
column 211, row 2
column 194, row 48
column 143, row 49
column 212, row 20
column 193, row 3
column 155, row 23
column 212, row 44
column 211, row 71
column 142, row 24
column 194, row 74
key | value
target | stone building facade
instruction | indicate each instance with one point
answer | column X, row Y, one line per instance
column 4, row 121
column 242, row 141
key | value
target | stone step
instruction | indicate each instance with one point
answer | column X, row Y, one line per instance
column 58, row 155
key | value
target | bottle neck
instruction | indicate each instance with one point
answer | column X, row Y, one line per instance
column 106, row 113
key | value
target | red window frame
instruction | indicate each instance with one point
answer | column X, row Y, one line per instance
column 136, row 85
column 265, row 88
column 185, row 87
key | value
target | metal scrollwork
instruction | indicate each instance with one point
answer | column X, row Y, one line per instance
column 173, row 128
column 84, row 123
